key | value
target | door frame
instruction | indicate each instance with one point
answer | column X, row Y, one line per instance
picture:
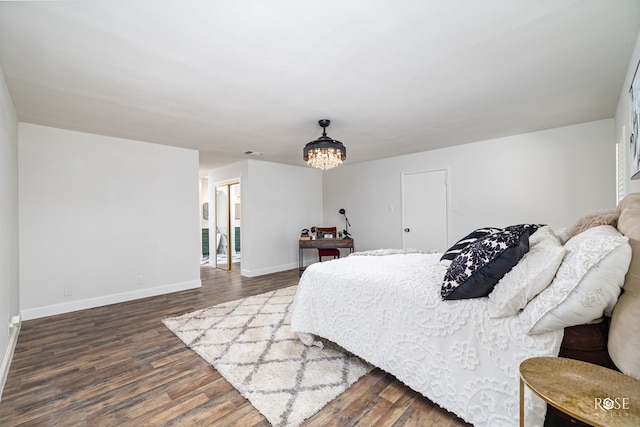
column 227, row 184
column 447, row 181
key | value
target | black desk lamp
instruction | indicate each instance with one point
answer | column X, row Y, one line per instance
column 346, row 230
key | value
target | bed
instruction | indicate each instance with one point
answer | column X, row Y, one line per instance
column 460, row 344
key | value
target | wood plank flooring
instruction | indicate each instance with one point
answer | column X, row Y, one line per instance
column 120, row 366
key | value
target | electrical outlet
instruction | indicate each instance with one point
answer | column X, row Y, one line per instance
column 139, row 279
column 67, row 291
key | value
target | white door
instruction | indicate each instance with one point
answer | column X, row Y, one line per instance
column 424, row 210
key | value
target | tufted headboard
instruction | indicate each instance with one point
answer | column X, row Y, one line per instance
column 624, row 332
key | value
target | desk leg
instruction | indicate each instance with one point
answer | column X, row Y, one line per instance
column 299, row 262
column 521, row 403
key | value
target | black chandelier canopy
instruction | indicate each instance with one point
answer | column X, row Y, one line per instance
column 324, row 153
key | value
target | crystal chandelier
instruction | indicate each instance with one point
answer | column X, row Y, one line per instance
column 324, row 153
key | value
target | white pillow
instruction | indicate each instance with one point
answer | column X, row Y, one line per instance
column 563, row 234
column 587, row 284
column 529, row 277
column 543, row 234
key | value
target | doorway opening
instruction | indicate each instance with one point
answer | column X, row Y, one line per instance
column 227, row 239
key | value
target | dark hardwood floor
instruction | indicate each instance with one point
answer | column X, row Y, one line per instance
column 118, row 365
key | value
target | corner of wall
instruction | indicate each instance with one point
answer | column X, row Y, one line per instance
column 8, row 356
column 9, row 223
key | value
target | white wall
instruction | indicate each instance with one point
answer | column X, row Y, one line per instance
column 623, row 121
column 553, row 177
column 97, row 212
column 277, row 202
column 9, row 262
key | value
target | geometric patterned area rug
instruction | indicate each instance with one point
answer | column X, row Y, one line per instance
column 250, row 343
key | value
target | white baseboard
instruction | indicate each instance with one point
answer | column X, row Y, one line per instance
column 67, row 307
column 268, row 270
column 8, row 357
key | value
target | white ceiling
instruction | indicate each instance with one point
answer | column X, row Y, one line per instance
column 393, row 76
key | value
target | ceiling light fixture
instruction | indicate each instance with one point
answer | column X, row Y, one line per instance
column 324, row 153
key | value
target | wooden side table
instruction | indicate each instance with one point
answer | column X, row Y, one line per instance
column 590, row 393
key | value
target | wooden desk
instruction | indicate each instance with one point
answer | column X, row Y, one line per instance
column 321, row 244
column 590, row 393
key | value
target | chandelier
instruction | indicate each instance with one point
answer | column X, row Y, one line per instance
column 324, row 153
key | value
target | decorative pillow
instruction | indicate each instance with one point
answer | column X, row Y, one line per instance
column 529, row 277
column 479, row 266
column 594, row 219
column 587, row 284
column 562, row 233
column 470, row 238
column 531, row 228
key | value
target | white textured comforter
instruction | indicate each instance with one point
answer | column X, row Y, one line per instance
column 388, row 310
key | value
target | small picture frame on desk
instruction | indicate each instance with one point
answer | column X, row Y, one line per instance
column 324, row 235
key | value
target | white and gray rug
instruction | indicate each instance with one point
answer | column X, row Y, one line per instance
column 249, row 342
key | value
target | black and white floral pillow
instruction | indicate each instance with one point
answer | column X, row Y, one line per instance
column 480, row 265
column 531, row 228
column 467, row 240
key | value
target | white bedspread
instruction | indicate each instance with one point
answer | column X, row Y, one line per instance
column 388, row 311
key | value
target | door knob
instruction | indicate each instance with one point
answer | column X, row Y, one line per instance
column 406, row 230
